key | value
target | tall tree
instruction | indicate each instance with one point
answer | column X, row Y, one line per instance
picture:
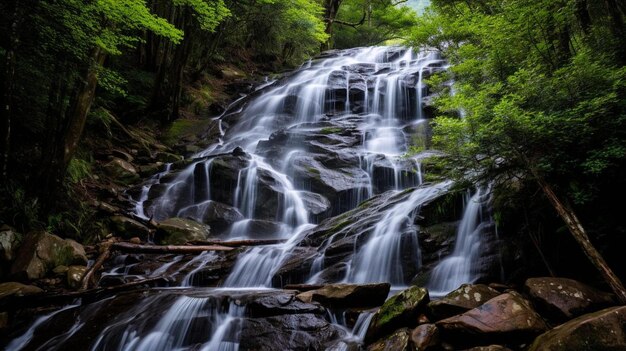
column 542, row 100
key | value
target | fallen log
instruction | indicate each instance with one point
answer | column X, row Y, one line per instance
column 238, row 243
column 165, row 249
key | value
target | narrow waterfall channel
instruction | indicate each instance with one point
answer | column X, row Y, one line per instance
column 317, row 159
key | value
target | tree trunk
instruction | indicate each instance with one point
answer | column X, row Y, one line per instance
column 331, row 8
column 580, row 235
column 81, row 106
column 6, row 94
column 65, row 141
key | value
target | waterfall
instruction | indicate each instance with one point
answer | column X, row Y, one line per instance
column 301, row 150
column 461, row 266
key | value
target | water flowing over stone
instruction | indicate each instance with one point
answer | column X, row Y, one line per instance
column 462, row 266
column 317, row 159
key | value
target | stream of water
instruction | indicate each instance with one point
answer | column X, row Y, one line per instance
column 307, row 147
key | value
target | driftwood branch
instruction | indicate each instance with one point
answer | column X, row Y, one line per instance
column 104, row 255
column 165, row 249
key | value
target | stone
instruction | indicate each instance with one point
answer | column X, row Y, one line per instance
column 287, row 332
column 179, row 231
column 280, row 302
column 41, row 252
column 506, row 318
column 398, row 341
column 348, row 295
column 603, row 330
column 121, row 170
column 75, row 276
column 217, row 215
column 401, row 310
column 60, row 270
column 17, row 289
column 561, row 299
column 9, row 242
column 489, row 348
column 128, row 227
column 463, row 299
column 425, row 337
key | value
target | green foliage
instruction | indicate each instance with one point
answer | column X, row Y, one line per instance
column 375, row 23
column 287, row 31
column 528, row 102
column 78, row 170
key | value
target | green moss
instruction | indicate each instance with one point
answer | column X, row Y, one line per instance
column 330, row 130
column 313, row 170
column 403, row 303
column 182, row 128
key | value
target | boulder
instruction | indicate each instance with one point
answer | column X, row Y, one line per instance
column 217, row 215
column 280, row 302
column 401, row 310
column 348, row 295
column 128, row 227
column 287, row 332
column 121, row 170
column 602, row 330
column 425, row 337
column 9, row 242
column 41, row 252
column 562, row 299
column 179, row 231
column 507, row 318
column 489, row 348
column 463, row 299
column 17, row 289
column 75, row 276
column 398, row 341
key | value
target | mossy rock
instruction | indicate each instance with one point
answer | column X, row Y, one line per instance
column 41, row 252
column 178, row 231
column 185, row 130
column 401, row 310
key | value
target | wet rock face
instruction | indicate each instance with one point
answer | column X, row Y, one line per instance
column 465, row 298
column 287, row 332
column 562, row 299
column 602, row 330
column 348, row 295
column 41, row 252
column 507, row 318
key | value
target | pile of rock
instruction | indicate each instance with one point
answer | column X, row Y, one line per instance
column 479, row 317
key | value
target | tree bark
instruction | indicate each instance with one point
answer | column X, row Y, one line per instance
column 6, row 94
column 164, row 249
column 581, row 237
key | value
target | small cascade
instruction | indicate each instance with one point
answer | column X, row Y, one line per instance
column 211, row 323
column 379, row 260
column 461, row 266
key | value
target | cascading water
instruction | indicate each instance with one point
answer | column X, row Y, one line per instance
column 462, row 265
column 306, row 148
